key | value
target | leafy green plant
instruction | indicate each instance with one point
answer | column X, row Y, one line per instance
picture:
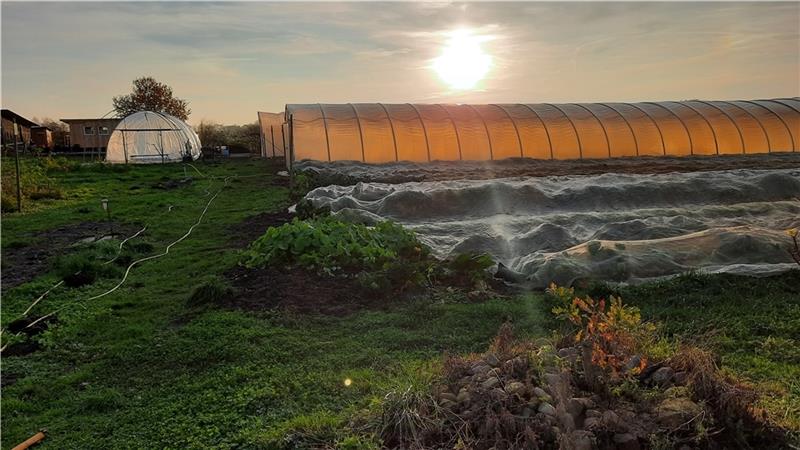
column 381, row 258
column 306, row 210
column 301, row 184
column 329, row 245
column 468, row 268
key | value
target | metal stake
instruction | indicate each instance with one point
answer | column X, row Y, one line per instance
column 16, row 162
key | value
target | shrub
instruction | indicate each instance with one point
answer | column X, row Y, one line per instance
column 408, row 416
column 301, row 184
column 610, row 333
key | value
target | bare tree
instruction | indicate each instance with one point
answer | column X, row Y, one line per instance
column 239, row 138
column 59, row 129
column 150, row 95
column 210, row 133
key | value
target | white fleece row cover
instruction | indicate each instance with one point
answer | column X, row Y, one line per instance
column 377, row 133
column 614, row 227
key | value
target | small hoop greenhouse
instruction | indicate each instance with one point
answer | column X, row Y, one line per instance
column 147, row 137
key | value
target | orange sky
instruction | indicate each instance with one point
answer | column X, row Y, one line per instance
column 230, row 60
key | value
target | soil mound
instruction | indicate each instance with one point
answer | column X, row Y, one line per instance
column 519, row 395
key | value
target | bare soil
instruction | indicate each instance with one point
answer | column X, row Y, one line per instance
column 296, row 290
column 250, row 229
column 29, row 327
column 24, row 263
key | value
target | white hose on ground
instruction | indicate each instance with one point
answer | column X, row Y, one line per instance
column 119, row 250
column 141, row 260
column 38, row 299
column 166, row 251
column 132, row 264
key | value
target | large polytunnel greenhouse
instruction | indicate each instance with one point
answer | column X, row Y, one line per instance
column 376, row 133
column 151, row 137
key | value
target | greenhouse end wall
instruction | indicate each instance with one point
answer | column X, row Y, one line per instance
column 272, row 134
column 379, row 133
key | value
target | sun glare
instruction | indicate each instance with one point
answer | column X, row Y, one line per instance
column 462, row 63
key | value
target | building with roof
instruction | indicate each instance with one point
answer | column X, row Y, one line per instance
column 91, row 134
column 23, row 132
column 42, row 136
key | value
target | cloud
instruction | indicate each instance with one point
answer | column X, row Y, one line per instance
column 232, row 59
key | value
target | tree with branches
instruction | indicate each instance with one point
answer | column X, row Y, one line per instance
column 151, row 95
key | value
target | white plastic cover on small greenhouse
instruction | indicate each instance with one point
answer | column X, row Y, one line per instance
column 151, row 137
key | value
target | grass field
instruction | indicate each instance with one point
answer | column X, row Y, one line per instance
column 138, row 368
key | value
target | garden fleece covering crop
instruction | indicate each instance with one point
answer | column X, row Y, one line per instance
column 616, row 227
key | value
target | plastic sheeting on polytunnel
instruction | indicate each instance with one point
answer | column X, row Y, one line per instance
column 273, row 142
column 151, row 137
column 376, row 133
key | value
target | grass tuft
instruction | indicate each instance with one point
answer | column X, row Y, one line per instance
column 211, row 292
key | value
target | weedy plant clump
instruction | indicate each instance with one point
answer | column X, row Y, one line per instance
column 606, row 382
column 35, row 184
column 212, row 291
column 87, row 264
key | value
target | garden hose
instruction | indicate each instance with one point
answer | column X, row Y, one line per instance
column 132, row 264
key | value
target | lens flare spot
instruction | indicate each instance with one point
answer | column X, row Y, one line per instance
column 348, row 382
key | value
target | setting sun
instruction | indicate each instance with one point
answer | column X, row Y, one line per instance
column 462, row 62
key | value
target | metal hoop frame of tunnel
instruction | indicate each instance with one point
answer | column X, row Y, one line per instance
column 379, row 133
column 133, row 137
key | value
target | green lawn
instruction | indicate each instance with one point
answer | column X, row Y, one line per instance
column 138, row 369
